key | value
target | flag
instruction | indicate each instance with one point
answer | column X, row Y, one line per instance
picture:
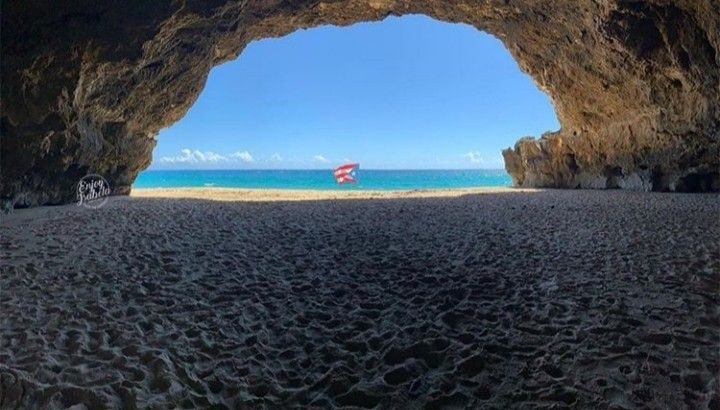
column 346, row 173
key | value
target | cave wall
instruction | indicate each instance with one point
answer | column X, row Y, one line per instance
column 87, row 85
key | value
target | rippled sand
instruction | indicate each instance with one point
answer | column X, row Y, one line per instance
column 545, row 299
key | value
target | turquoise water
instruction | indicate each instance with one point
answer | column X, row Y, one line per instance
column 323, row 179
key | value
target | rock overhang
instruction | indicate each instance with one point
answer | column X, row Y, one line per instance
column 87, row 86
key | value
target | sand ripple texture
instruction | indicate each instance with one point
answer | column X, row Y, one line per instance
column 532, row 300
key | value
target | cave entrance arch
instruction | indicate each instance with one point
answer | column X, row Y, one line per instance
column 401, row 92
column 86, row 87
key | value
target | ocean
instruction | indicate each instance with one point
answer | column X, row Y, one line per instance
column 369, row 179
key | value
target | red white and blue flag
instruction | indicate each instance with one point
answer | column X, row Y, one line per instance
column 346, row 173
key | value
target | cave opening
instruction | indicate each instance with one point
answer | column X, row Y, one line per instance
column 407, row 92
column 699, row 182
column 632, row 83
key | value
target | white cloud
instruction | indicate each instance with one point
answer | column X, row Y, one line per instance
column 320, row 158
column 276, row 157
column 492, row 162
column 474, row 156
column 188, row 156
column 209, row 156
column 243, row 156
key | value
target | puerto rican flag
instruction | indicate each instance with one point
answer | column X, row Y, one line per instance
column 346, row 173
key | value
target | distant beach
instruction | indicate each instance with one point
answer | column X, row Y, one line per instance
column 369, row 179
column 240, row 194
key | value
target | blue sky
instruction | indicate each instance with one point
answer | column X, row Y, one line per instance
column 404, row 93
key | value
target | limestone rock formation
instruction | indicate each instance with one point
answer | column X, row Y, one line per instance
column 86, row 86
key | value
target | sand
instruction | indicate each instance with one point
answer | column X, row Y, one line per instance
column 473, row 299
column 264, row 195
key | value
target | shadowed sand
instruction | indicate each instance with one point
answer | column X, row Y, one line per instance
column 475, row 299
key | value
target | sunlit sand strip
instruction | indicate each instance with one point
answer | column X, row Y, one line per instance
column 239, row 194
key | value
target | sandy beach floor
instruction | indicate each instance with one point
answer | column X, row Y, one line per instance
column 265, row 195
column 458, row 300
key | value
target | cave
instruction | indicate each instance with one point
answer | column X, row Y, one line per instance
column 584, row 297
column 87, row 86
column 698, row 182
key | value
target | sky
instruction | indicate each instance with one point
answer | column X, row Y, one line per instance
column 403, row 93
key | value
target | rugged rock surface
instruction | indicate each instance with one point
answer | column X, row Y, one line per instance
column 86, row 86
